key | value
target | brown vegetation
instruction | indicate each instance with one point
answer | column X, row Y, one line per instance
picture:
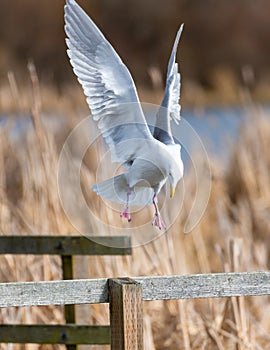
column 217, row 35
column 232, row 236
column 234, row 232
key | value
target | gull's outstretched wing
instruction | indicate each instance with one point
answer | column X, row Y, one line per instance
column 170, row 107
column 107, row 83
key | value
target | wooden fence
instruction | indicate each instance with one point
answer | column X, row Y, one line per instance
column 126, row 296
column 66, row 247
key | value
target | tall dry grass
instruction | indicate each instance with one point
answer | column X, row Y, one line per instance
column 232, row 236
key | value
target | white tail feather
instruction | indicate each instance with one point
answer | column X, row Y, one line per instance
column 115, row 189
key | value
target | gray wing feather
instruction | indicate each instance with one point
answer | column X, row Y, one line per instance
column 170, row 107
column 107, row 83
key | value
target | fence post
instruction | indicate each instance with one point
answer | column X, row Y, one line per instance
column 126, row 314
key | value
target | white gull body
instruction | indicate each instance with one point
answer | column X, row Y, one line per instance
column 149, row 160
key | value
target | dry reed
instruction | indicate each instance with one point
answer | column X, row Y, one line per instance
column 232, row 236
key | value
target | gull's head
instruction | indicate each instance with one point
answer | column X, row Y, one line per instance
column 175, row 168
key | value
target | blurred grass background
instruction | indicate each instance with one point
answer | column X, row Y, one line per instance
column 224, row 59
column 224, row 45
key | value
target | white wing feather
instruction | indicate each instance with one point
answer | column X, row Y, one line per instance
column 173, row 83
column 107, row 83
column 170, row 107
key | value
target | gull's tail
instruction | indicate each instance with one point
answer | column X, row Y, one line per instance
column 115, row 189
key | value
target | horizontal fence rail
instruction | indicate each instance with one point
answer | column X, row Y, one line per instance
column 66, row 245
column 92, row 291
column 55, row 334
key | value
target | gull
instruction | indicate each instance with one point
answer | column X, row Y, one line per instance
column 149, row 160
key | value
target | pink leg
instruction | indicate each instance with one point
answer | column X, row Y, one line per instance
column 125, row 214
column 157, row 221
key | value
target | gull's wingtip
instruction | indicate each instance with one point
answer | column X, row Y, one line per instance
column 67, row 5
column 180, row 30
column 177, row 38
column 70, row 2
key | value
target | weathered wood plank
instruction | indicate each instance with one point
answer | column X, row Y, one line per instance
column 126, row 314
column 55, row 334
column 153, row 288
column 66, row 245
column 214, row 285
column 82, row 291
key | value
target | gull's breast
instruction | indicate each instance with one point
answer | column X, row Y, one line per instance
column 145, row 173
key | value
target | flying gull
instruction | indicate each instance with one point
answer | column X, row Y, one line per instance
column 149, row 160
